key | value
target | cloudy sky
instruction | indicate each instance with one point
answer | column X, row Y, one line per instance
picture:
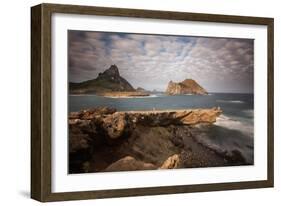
column 151, row 61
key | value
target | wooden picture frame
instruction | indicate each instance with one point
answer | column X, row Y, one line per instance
column 41, row 172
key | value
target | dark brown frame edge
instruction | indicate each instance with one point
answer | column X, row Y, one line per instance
column 41, row 101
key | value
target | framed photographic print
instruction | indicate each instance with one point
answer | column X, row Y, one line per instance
column 132, row 102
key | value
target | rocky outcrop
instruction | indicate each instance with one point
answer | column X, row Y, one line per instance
column 116, row 124
column 172, row 162
column 188, row 86
column 99, row 137
column 175, row 117
column 91, row 114
column 129, row 163
column 107, row 81
column 102, row 139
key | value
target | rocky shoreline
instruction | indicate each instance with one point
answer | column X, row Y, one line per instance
column 106, row 140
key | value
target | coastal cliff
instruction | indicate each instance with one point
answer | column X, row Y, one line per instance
column 103, row 139
column 188, row 86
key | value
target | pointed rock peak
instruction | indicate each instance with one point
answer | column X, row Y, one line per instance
column 111, row 71
column 113, row 67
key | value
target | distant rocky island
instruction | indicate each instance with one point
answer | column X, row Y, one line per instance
column 108, row 83
column 188, row 86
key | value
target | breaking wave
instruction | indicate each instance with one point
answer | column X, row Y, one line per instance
column 235, row 124
column 249, row 113
column 226, row 136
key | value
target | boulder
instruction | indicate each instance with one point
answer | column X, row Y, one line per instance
column 115, row 125
column 129, row 163
column 171, row 163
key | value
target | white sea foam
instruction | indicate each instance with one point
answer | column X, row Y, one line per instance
column 231, row 101
column 235, row 124
column 132, row 97
column 249, row 112
column 229, row 134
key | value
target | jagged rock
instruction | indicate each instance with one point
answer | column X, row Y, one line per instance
column 188, row 86
column 129, row 163
column 112, row 71
column 90, row 114
column 175, row 117
column 150, row 144
column 171, row 163
column 115, row 125
column 197, row 116
column 104, row 136
column 107, row 81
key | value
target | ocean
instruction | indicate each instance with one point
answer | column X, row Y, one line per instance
column 233, row 131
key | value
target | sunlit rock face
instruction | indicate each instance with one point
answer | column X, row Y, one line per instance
column 188, row 86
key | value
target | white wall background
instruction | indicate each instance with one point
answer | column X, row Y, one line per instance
column 15, row 102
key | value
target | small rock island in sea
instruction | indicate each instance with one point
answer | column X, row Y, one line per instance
column 108, row 83
column 188, row 86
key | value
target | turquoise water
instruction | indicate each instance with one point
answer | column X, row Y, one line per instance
column 234, row 129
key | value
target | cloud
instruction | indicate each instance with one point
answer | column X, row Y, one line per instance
column 151, row 61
